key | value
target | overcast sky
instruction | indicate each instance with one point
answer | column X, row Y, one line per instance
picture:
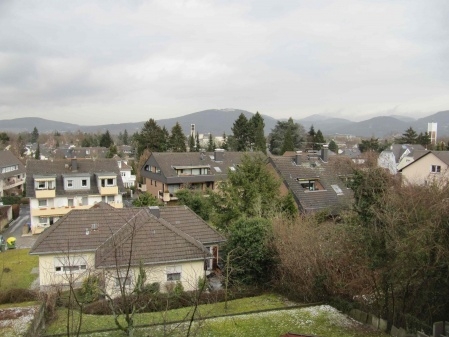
column 98, row 62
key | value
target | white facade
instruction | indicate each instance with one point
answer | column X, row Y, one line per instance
column 432, row 131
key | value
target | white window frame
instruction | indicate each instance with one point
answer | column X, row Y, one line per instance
column 41, row 218
column 110, row 184
column 84, row 183
column 173, row 273
column 69, row 183
column 435, row 169
column 70, row 264
column 70, row 202
column 42, row 202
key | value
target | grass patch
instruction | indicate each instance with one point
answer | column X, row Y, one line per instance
column 19, row 305
column 323, row 321
column 15, row 269
column 99, row 322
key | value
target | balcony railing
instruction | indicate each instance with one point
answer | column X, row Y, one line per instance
column 13, row 182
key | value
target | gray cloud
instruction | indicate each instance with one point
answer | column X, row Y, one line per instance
column 90, row 62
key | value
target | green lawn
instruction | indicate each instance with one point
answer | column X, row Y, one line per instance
column 97, row 322
column 320, row 320
column 15, row 269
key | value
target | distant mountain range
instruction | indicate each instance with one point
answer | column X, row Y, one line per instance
column 219, row 121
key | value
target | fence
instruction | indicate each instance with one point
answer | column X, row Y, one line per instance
column 440, row 329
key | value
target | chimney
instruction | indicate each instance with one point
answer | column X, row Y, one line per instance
column 324, row 154
column 298, row 157
column 74, row 165
column 155, row 211
column 219, row 154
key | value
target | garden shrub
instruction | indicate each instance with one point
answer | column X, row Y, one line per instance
column 17, row 296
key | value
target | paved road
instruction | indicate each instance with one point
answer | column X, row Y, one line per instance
column 16, row 227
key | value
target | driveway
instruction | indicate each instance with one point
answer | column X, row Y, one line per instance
column 16, row 229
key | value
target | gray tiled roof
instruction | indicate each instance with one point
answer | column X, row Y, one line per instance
column 328, row 174
column 167, row 160
column 182, row 218
column 8, row 159
column 62, row 167
column 154, row 240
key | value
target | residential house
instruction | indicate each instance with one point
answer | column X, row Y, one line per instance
column 81, row 152
column 428, row 168
column 399, row 155
column 58, row 186
column 126, row 150
column 12, row 174
column 171, row 243
column 167, row 172
column 316, row 181
column 129, row 180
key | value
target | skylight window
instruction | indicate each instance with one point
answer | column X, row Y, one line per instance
column 337, row 189
column 217, row 169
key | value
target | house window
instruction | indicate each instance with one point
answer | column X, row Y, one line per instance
column 69, row 183
column 42, row 185
column 174, row 273
column 107, row 198
column 42, row 202
column 435, row 169
column 310, row 184
column 122, row 281
column 110, row 182
column 43, row 221
column 84, row 200
column 70, row 264
column 123, row 174
column 84, row 182
column 70, row 202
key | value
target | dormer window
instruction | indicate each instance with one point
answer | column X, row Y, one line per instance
column 69, row 183
column 310, row 184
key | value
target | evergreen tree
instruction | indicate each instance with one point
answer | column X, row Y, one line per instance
column 192, row 143
column 423, row 139
column 319, row 140
column 177, row 139
column 37, row 154
column 251, row 190
column 277, row 135
column 4, row 137
column 106, row 140
column 112, row 151
column 256, row 135
column 210, row 144
column 409, row 137
column 197, row 140
column 311, row 137
column 224, row 145
column 241, row 131
column 288, row 144
column 34, row 135
column 369, row 145
column 333, row 146
column 151, row 137
column 125, row 139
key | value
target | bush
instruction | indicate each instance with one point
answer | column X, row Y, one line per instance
column 165, row 301
column 17, row 296
column 152, row 288
column 90, row 289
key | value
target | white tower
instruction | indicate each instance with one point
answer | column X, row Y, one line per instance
column 432, row 131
